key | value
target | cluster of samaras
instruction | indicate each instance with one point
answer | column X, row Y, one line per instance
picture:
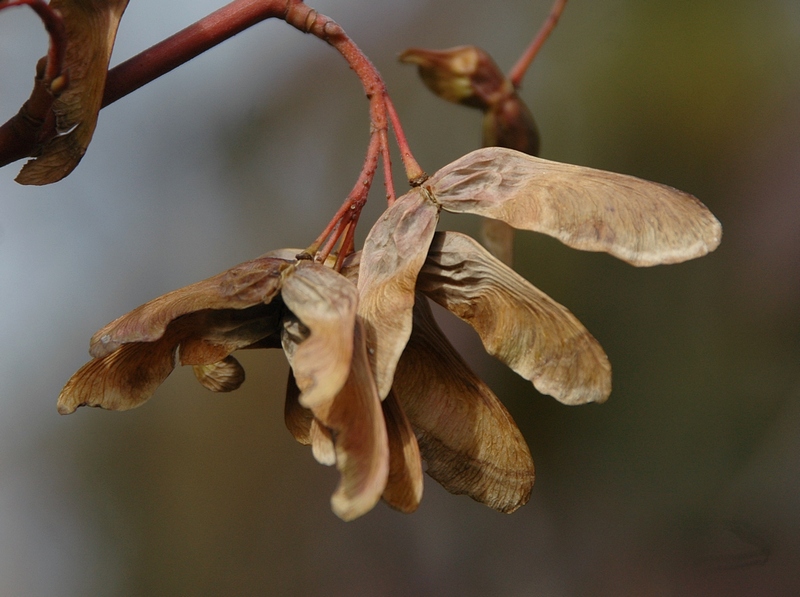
column 375, row 387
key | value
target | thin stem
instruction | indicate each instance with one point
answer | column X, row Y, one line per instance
column 416, row 175
column 388, row 181
column 353, row 204
column 348, row 243
column 336, row 234
column 521, row 67
column 205, row 34
column 188, row 43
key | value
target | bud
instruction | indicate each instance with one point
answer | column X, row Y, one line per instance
column 464, row 75
column 467, row 75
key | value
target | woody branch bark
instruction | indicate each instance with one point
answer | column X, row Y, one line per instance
column 224, row 24
column 207, row 33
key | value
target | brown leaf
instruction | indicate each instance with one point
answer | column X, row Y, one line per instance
column 520, row 325
column 393, row 253
column 404, row 486
column 91, row 27
column 325, row 303
column 223, row 376
column 121, row 380
column 362, row 451
column 641, row 222
column 469, row 440
column 246, row 285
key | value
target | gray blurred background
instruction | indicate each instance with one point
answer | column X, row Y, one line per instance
column 686, row 482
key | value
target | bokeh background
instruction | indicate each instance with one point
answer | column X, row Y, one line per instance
column 686, row 482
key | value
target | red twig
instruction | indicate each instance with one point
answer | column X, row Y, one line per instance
column 518, row 72
column 187, row 44
column 212, row 30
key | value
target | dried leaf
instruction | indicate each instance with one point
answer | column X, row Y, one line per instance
column 404, row 486
column 91, row 27
column 362, row 449
column 223, row 376
column 469, row 440
column 393, row 253
column 325, row 303
column 520, row 325
column 641, row 222
column 121, row 380
column 246, row 285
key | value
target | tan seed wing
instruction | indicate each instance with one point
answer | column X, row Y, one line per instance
column 393, row 253
column 356, row 421
column 520, row 325
column 325, row 302
column 305, row 428
column 404, row 487
column 641, row 222
column 297, row 418
column 467, row 437
column 223, row 376
column 251, row 283
column 91, row 27
column 121, row 380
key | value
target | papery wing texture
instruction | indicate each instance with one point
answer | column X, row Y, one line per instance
column 641, row 222
column 222, row 376
column 325, row 302
column 121, row 380
column 297, row 418
column 356, row 421
column 251, row 283
column 393, row 253
column 404, row 486
column 467, row 437
column 91, row 27
column 520, row 325
column 305, row 428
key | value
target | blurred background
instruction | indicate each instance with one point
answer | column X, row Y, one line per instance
column 686, row 482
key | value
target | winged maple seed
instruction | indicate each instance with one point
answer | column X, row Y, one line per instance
column 375, row 387
column 91, row 28
column 467, row 75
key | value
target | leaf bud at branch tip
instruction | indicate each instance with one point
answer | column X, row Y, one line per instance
column 463, row 75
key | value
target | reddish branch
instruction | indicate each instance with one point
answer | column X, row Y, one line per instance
column 34, row 124
column 196, row 39
column 521, row 67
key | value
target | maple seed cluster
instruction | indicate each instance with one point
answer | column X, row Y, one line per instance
column 375, row 388
column 375, row 385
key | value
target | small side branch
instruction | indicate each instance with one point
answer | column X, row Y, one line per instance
column 521, row 67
